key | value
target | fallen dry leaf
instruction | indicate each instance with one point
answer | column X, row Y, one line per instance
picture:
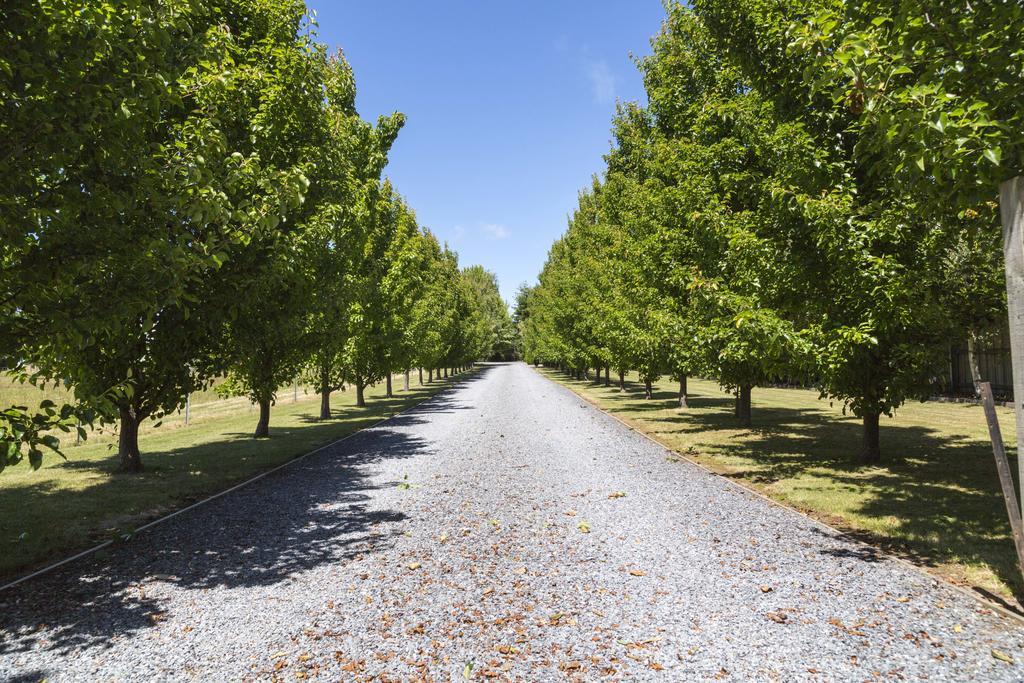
column 584, row 527
column 617, row 494
column 1002, row 656
column 637, row 572
column 766, row 589
column 777, row 617
column 414, row 565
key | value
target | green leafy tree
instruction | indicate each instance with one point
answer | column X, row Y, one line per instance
column 97, row 123
column 435, row 321
column 496, row 340
column 932, row 89
column 213, row 170
column 869, row 250
column 348, row 166
column 385, row 228
column 265, row 342
column 402, row 286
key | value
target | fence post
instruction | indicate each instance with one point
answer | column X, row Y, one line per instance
column 1003, row 467
column 1011, row 205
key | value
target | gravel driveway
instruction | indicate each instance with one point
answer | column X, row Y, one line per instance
column 505, row 529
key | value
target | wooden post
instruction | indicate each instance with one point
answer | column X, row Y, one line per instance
column 1011, row 205
column 1003, row 467
column 188, row 406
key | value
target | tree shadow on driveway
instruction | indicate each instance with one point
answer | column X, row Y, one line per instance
column 316, row 512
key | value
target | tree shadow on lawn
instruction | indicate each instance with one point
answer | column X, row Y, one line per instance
column 634, row 394
column 937, row 494
column 314, row 513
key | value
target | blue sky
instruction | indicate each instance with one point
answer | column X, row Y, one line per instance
column 509, row 109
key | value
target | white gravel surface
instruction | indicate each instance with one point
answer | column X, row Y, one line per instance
column 484, row 535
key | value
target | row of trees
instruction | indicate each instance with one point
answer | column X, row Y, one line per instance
column 187, row 192
column 810, row 193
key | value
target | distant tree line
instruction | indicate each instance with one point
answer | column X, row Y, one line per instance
column 187, row 192
column 810, row 192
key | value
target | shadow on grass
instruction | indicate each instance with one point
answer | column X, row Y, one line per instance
column 937, row 493
column 317, row 512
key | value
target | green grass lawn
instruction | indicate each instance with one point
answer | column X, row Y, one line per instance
column 68, row 506
column 935, row 500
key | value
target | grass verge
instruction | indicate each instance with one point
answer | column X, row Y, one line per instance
column 935, row 500
column 68, row 506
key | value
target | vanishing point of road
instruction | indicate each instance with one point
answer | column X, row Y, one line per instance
column 505, row 530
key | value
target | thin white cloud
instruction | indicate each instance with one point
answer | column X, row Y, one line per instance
column 497, row 232
column 457, row 232
column 602, row 81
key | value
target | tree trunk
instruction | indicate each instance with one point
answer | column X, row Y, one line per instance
column 683, row 402
column 325, row 393
column 360, row 399
column 648, row 389
column 325, row 404
column 421, row 377
column 607, row 376
column 407, row 372
column 263, row 426
column 128, row 442
column 622, row 381
column 597, row 377
column 972, row 362
column 871, row 450
column 743, row 405
column 387, row 383
column 446, row 373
